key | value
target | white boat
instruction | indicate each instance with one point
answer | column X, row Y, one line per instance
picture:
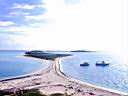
column 84, row 64
column 102, row 63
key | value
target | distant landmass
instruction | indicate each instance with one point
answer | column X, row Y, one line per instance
column 45, row 55
column 81, row 51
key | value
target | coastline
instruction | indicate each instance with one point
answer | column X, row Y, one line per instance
column 52, row 79
column 89, row 84
column 36, row 72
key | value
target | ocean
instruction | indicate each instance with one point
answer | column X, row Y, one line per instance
column 11, row 64
column 113, row 76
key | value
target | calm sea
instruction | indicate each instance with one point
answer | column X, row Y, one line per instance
column 11, row 64
column 114, row 76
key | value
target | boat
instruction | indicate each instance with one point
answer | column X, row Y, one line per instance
column 84, row 64
column 102, row 63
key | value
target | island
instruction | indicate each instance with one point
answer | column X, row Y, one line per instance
column 81, row 51
column 45, row 55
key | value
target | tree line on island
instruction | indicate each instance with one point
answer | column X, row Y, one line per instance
column 45, row 55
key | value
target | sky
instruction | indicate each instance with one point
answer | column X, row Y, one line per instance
column 99, row 25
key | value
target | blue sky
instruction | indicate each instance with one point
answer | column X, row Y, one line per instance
column 17, row 17
column 64, row 25
column 14, row 12
column 13, row 16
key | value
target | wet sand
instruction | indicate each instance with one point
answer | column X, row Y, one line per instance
column 53, row 80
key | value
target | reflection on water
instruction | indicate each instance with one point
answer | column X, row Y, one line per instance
column 114, row 76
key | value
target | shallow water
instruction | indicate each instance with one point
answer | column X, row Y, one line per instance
column 114, row 76
column 13, row 65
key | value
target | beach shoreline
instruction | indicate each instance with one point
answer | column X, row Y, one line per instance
column 89, row 84
column 52, row 79
column 28, row 74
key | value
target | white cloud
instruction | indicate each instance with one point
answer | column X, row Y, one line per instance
column 23, row 29
column 46, row 15
column 6, row 23
column 36, row 25
column 25, row 6
column 14, row 13
column 54, row 2
column 73, row 1
column 90, row 25
column 34, row 17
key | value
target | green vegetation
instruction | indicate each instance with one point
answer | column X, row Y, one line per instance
column 57, row 94
column 5, row 93
column 45, row 55
column 81, row 51
column 29, row 92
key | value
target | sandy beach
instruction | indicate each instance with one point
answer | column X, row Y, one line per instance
column 53, row 80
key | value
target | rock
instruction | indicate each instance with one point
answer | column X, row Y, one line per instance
column 91, row 93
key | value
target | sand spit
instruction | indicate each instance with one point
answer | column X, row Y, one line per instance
column 52, row 80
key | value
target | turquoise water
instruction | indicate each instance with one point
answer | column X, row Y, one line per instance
column 12, row 65
column 114, row 76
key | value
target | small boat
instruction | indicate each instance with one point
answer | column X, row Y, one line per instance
column 84, row 64
column 102, row 63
